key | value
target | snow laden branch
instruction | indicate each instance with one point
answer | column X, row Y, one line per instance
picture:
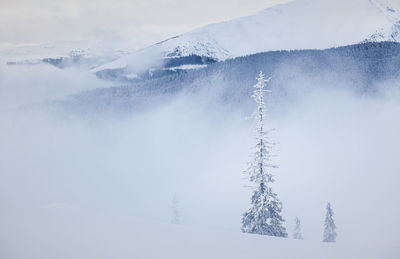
column 263, row 217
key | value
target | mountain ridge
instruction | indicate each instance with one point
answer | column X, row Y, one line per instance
column 300, row 24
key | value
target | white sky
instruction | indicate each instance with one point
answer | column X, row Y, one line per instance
column 25, row 22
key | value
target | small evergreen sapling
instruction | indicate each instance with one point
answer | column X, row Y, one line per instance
column 330, row 227
column 297, row 230
column 264, row 216
column 175, row 211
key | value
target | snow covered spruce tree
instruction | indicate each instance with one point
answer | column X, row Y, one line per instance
column 330, row 227
column 263, row 217
column 175, row 211
column 297, row 230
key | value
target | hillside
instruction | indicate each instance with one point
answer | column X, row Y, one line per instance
column 358, row 68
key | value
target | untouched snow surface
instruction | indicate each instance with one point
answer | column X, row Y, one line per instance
column 300, row 24
column 74, row 233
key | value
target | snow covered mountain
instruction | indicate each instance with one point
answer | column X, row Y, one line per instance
column 300, row 24
column 62, row 54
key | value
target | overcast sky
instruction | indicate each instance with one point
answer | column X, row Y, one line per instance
column 25, row 22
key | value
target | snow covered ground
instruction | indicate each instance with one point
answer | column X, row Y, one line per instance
column 52, row 234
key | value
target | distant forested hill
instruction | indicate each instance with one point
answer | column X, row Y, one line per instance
column 361, row 68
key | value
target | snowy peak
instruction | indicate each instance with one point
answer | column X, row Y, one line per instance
column 391, row 10
column 300, row 24
column 388, row 7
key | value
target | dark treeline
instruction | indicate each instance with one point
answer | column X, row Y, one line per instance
column 359, row 68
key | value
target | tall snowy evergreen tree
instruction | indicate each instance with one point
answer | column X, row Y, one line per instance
column 297, row 230
column 330, row 227
column 263, row 217
column 175, row 211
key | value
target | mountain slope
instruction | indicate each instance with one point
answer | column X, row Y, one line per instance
column 301, row 24
column 358, row 68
